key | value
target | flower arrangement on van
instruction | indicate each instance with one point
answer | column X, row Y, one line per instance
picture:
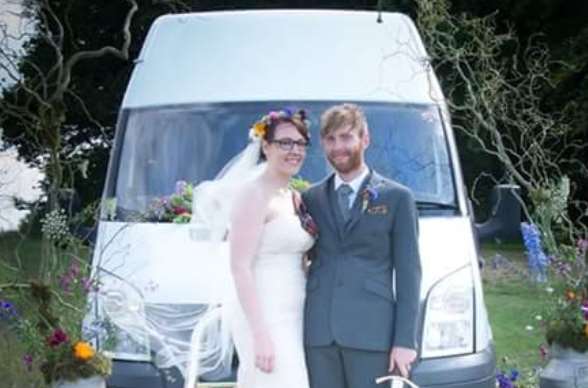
column 177, row 207
column 46, row 318
column 566, row 318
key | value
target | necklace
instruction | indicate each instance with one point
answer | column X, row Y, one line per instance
column 283, row 191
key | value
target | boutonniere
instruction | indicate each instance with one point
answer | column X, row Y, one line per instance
column 368, row 195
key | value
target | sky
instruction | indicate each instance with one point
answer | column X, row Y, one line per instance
column 16, row 179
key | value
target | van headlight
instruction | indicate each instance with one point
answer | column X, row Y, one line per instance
column 119, row 322
column 449, row 316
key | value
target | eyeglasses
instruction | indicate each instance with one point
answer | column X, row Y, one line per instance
column 288, row 144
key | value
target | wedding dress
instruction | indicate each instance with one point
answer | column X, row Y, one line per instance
column 280, row 285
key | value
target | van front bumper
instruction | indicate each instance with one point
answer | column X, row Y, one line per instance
column 141, row 374
column 476, row 370
column 468, row 371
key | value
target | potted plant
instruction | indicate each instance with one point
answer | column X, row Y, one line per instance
column 566, row 317
column 46, row 313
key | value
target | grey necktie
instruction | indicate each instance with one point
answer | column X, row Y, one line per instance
column 343, row 193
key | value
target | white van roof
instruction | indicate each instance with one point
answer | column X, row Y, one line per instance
column 270, row 55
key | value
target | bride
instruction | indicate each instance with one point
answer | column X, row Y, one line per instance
column 267, row 245
column 269, row 234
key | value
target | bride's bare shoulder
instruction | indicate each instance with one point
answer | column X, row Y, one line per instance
column 250, row 199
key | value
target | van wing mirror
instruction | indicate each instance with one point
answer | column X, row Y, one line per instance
column 505, row 217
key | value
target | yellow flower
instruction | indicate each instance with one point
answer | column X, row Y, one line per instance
column 259, row 129
column 571, row 295
column 83, row 351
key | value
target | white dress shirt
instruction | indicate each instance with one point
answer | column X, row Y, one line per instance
column 355, row 183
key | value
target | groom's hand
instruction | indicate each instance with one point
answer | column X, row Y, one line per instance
column 401, row 359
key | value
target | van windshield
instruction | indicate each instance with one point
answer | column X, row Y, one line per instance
column 161, row 146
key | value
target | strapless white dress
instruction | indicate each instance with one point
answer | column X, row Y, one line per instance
column 280, row 283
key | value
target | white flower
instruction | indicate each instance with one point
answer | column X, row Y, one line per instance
column 549, row 290
column 539, row 317
column 529, row 328
column 54, row 225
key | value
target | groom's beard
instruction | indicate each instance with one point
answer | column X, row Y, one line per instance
column 352, row 163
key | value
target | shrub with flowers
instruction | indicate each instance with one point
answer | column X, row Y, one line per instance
column 566, row 318
column 45, row 314
column 46, row 319
column 509, row 375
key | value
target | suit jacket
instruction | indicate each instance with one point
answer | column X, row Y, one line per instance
column 363, row 285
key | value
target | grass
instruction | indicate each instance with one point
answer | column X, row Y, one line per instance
column 12, row 371
column 512, row 302
column 18, row 252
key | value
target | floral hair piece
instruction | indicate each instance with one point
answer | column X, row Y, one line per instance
column 260, row 128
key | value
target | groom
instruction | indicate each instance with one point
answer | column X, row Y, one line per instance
column 362, row 299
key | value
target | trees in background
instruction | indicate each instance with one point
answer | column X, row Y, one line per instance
column 88, row 109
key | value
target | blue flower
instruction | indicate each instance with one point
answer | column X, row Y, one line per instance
column 373, row 193
column 7, row 310
column 504, row 381
column 537, row 259
column 514, row 375
column 180, row 187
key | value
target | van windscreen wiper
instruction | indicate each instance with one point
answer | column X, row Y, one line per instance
column 435, row 205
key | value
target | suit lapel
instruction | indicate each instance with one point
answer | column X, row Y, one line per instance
column 328, row 201
column 356, row 210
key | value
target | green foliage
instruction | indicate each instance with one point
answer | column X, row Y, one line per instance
column 62, row 365
column 550, row 212
column 566, row 318
column 299, row 184
column 176, row 207
column 43, row 305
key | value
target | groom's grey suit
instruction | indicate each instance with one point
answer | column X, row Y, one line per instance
column 352, row 315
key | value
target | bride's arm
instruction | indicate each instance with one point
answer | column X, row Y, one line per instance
column 247, row 220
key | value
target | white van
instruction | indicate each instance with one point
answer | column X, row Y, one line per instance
column 201, row 80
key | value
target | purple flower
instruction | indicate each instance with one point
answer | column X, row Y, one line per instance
column 504, row 381
column 514, row 375
column 65, row 282
column 27, row 360
column 582, row 246
column 584, row 309
column 74, row 269
column 7, row 310
column 180, row 187
column 89, row 284
column 57, row 338
column 372, row 193
column 543, row 352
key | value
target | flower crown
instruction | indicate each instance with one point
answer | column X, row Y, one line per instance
column 260, row 128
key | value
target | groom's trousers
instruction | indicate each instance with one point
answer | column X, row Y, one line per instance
column 334, row 366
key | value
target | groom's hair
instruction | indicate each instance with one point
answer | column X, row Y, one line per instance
column 343, row 115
